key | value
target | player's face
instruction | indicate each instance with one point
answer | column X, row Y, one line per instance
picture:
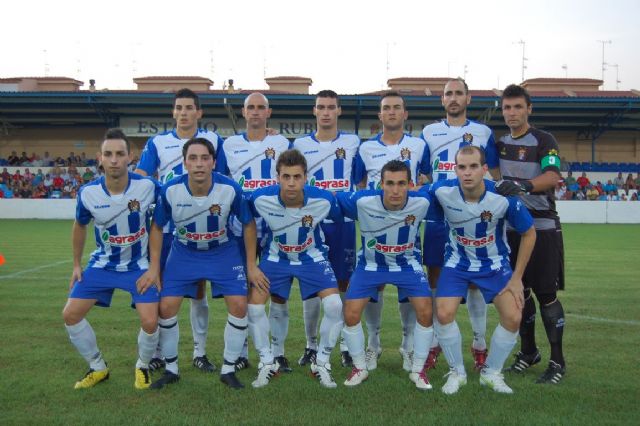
column 186, row 114
column 392, row 113
column 454, row 99
column 469, row 170
column 395, row 186
column 114, row 157
column 199, row 163
column 516, row 113
column 256, row 111
column 327, row 111
column 291, row 180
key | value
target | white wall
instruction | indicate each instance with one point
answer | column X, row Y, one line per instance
column 569, row 211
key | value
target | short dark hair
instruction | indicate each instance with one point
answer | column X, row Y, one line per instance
column 187, row 94
column 395, row 166
column 198, row 141
column 516, row 91
column 470, row 149
column 115, row 133
column 290, row 158
column 461, row 80
column 393, row 94
column 329, row 94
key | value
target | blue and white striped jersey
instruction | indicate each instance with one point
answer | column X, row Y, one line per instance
column 293, row 234
column 163, row 154
column 390, row 238
column 373, row 154
column 201, row 222
column 477, row 231
column 121, row 222
column 443, row 141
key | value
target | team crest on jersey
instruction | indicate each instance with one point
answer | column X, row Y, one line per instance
column 134, row 206
column 522, row 153
column 553, row 152
column 341, row 154
column 410, row 220
column 486, row 216
column 467, row 138
column 215, row 209
column 270, row 154
column 405, row 154
column 307, row 221
column 503, row 151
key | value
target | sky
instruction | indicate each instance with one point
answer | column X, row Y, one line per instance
column 350, row 47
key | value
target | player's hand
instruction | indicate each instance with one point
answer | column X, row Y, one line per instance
column 516, row 288
column 149, row 279
column 272, row 132
column 76, row 275
column 258, row 279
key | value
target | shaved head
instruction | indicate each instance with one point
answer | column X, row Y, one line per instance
column 256, row 96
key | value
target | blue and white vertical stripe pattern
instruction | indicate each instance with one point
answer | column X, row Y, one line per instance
column 121, row 222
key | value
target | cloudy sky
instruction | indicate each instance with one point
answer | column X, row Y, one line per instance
column 352, row 47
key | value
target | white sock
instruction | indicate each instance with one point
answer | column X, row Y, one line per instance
column 330, row 327
column 436, row 324
column 502, row 343
column 84, row 339
column 343, row 344
column 311, row 315
column 354, row 336
column 245, row 348
column 451, row 343
column 477, row 308
column 199, row 325
column 279, row 321
column 423, row 336
column 373, row 318
column 169, row 338
column 147, row 344
column 408, row 320
column 158, row 352
column 259, row 326
column 235, row 334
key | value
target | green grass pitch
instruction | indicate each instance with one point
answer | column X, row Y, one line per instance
column 38, row 364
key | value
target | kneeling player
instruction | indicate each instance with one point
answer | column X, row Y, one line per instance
column 293, row 212
column 118, row 203
column 478, row 253
column 389, row 223
column 199, row 203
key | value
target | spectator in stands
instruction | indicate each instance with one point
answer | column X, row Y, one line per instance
column 613, row 196
column 603, row 197
column 598, row 186
column 58, row 183
column 59, row 162
column 630, row 183
column 619, row 181
column 84, row 161
column 26, row 190
column 569, row 180
column 634, row 197
column 6, row 176
column 37, row 161
column 27, row 176
column 72, row 170
column 561, row 190
column 623, row 197
column 610, row 186
column 76, row 181
column 66, row 190
column 1, row 193
column 583, row 181
column 592, row 193
column 65, row 175
column 38, row 177
column 87, row 176
column 48, row 181
column 71, row 159
column 47, row 161
column 17, row 177
column 13, row 159
column 8, row 191
column 24, row 159
column 40, row 191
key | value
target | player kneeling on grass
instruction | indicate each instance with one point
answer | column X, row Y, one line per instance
column 118, row 203
column 199, row 203
column 477, row 253
column 389, row 222
column 293, row 212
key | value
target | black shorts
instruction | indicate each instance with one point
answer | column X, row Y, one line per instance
column 545, row 271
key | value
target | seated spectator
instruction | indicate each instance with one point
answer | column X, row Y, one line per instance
column 17, row 177
column 59, row 162
column 65, row 175
column 603, row 197
column 623, row 197
column 569, row 180
column 58, row 183
column 613, row 196
column 76, row 181
column 40, row 191
column 583, row 181
column 8, row 191
column 47, row 161
column 580, row 195
column 87, row 176
column 25, row 189
column 592, row 193
column 74, row 193
column 23, row 158
column 48, row 181
column 629, row 183
column 72, row 170
column 6, row 176
column 610, row 186
column 38, row 177
column 32, row 157
column 619, row 181
column 13, row 159
column 27, row 176
column 84, row 161
column 1, row 193
column 561, row 190
column 598, row 186
column 66, row 190
column 37, row 162
column 71, row 159
column 634, row 197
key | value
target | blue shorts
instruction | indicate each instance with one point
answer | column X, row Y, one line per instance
column 365, row 284
column 221, row 265
column 455, row 283
column 98, row 283
column 312, row 277
column 435, row 238
column 341, row 239
column 167, row 239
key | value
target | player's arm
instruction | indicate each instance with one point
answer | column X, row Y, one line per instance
column 255, row 276
column 515, row 286
column 149, row 160
column 152, row 276
column 78, row 238
column 492, row 158
column 359, row 172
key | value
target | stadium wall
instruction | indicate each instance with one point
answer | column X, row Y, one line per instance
column 570, row 211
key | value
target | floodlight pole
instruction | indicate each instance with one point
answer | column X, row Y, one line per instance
column 604, row 64
column 524, row 59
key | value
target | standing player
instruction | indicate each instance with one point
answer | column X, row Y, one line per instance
column 477, row 253
column 330, row 154
column 389, row 225
column 250, row 159
column 199, row 204
column 293, row 211
column 529, row 158
column 118, row 203
column 163, row 155
column 444, row 138
column 391, row 144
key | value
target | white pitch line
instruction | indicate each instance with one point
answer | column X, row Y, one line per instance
column 607, row 320
column 27, row 271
